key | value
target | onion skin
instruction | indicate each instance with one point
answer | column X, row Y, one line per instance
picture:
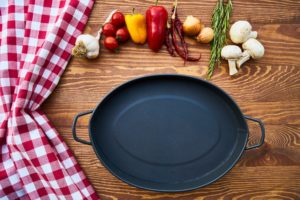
column 191, row 26
column 206, row 35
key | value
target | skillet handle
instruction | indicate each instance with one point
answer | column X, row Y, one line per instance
column 262, row 128
column 77, row 139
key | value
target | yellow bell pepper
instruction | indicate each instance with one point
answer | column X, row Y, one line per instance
column 136, row 25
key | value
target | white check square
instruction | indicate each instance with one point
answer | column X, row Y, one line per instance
column 68, row 163
column 33, row 42
column 43, row 53
column 54, row 184
column 76, row 195
column 47, row 168
column 54, row 59
column 13, row 179
column 23, row 172
column 16, row 156
column 51, row 134
column 76, row 178
column 19, row 16
column 46, row 73
column 38, row 9
column 35, row 25
column 70, row 29
column 8, row 164
column 78, row 15
column 54, row 11
column 4, row 82
column 60, row 148
column 30, row 187
column 63, row 44
column 40, row 151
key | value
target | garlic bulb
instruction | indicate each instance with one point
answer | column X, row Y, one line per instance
column 191, row 25
column 86, row 46
column 206, row 35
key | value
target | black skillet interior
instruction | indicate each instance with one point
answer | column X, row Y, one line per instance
column 168, row 132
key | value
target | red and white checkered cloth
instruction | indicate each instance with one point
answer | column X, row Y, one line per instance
column 36, row 38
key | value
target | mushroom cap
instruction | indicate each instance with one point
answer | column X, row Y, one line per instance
column 240, row 31
column 255, row 49
column 231, row 52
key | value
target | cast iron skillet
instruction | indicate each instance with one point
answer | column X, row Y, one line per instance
column 168, row 133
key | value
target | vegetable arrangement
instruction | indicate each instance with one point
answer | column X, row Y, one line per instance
column 159, row 28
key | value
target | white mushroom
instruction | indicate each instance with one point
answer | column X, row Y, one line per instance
column 252, row 48
column 231, row 53
column 241, row 31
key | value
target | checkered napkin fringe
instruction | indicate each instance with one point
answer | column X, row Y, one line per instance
column 35, row 45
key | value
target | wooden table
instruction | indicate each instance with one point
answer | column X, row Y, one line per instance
column 268, row 89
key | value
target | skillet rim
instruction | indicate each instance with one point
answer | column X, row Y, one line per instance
column 184, row 189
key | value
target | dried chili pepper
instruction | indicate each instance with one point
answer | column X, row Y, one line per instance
column 168, row 42
column 179, row 29
column 179, row 51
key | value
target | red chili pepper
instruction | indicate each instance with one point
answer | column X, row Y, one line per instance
column 168, row 42
column 156, row 18
column 179, row 29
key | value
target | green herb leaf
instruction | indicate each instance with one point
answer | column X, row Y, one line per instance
column 220, row 24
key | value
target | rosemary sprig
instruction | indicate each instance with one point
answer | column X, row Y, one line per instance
column 220, row 24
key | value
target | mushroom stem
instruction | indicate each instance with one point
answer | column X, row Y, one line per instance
column 245, row 57
column 253, row 34
column 232, row 67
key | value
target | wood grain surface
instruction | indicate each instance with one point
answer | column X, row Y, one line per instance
column 268, row 89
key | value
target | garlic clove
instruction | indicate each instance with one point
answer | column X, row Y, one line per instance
column 92, row 55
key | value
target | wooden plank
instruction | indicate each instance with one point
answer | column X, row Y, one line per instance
column 237, row 184
column 255, row 83
column 258, row 11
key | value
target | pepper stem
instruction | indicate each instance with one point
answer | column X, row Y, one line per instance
column 175, row 9
column 133, row 9
column 156, row 2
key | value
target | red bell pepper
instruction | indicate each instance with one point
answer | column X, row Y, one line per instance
column 156, row 19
